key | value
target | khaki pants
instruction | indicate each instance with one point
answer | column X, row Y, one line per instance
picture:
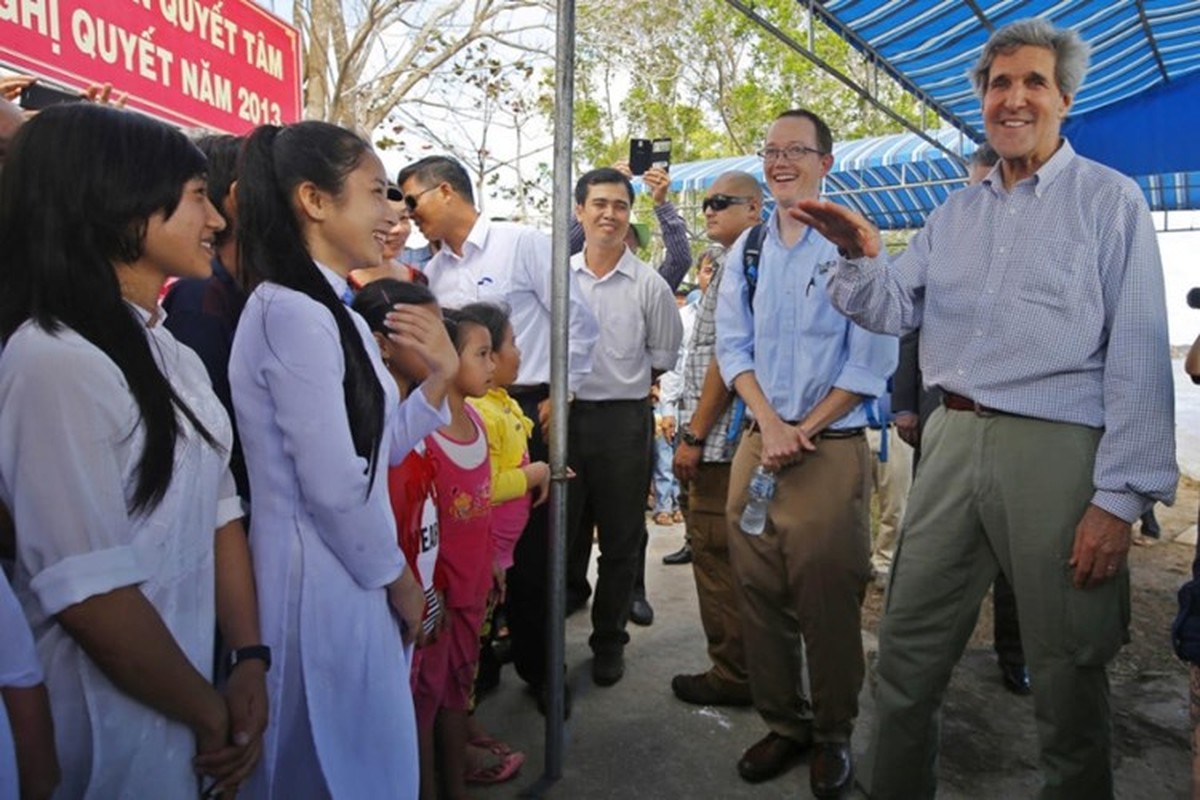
column 804, row 578
column 708, row 533
column 997, row 493
column 890, row 481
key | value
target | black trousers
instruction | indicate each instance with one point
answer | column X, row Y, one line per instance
column 609, row 449
column 529, row 576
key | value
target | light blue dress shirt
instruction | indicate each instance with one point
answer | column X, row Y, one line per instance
column 798, row 346
column 1045, row 301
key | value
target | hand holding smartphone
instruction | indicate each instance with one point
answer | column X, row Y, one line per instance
column 37, row 96
column 647, row 153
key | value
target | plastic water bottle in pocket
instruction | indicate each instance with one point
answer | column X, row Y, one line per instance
column 762, row 489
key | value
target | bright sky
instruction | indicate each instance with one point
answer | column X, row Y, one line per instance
column 1181, row 268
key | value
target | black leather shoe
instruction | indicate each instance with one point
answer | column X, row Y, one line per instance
column 831, row 772
column 770, row 756
column 1016, row 679
column 640, row 612
column 681, row 556
column 703, row 690
column 608, row 666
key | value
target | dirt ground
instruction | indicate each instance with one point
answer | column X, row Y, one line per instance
column 1149, row 685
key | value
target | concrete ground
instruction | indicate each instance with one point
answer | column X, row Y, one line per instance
column 635, row 740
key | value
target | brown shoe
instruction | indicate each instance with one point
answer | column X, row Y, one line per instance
column 831, row 773
column 770, row 756
column 704, row 690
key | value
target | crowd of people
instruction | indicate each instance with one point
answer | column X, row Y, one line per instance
column 269, row 490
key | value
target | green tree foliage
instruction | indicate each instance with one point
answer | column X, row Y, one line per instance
column 701, row 73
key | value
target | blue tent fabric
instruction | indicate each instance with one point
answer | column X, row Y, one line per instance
column 931, row 45
column 1137, row 111
column 894, row 180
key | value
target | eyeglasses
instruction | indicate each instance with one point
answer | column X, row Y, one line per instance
column 720, row 202
column 410, row 200
column 793, row 152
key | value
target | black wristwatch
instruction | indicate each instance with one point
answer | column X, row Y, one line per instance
column 255, row 651
column 690, row 438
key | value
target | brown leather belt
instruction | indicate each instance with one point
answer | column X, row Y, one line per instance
column 956, row 402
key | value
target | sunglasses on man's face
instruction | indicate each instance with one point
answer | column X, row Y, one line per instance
column 720, row 202
column 410, row 200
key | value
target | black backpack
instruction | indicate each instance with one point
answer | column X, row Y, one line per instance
column 1185, row 630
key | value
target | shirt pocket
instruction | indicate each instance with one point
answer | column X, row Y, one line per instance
column 1050, row 270
column 626, row 334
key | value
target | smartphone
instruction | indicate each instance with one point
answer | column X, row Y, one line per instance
column 660, row 155
column 645, row 153
column 38, row 95
column 641, row 152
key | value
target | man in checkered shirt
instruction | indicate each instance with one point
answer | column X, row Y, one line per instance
column 732, row 204
column 1039, row 294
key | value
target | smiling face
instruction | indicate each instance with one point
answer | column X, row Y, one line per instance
column 604, row 215
column 476, row 365
column 1023, row 109
column 790, row 180
column 352, row 226
column 181, row 245
column 399, row 233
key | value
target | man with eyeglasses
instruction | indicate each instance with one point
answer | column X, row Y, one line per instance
column 804, row 372
column 732, row 205
column 504, row 262
column 1039, row 295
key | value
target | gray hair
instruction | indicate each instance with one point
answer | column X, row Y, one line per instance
column 1070, row 52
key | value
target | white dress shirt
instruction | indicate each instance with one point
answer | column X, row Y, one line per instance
column 73, row 438
column 503, row 262
column 640, row 330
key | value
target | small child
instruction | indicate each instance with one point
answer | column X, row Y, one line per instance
column 464, row 492
column 517, row 484
column 410, row 483
column 413, row 495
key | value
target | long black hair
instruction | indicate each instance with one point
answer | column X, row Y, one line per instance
column 76, row 195
column 271, row 246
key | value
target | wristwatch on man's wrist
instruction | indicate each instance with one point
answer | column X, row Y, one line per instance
column 259, row 652
column 689, row 438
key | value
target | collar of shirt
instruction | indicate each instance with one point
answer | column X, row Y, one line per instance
column 625, row 266
column 474, row 242
column 340, row 287
column 150, row 319
column 1043, row 178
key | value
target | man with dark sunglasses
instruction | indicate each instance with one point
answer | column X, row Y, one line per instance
column 502, row 262
column 732, row 205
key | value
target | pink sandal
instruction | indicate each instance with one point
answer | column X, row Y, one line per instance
column 505, row 770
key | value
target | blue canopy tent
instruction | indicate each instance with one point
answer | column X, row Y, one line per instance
column 1135, row 112
column 895, row 180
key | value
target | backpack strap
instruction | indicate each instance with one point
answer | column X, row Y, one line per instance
column 751, row 254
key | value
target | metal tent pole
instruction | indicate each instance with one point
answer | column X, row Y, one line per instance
column 564, row 96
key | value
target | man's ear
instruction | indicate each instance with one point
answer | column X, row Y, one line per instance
column 312, row 202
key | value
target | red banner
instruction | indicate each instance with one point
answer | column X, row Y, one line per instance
column 227, row 65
